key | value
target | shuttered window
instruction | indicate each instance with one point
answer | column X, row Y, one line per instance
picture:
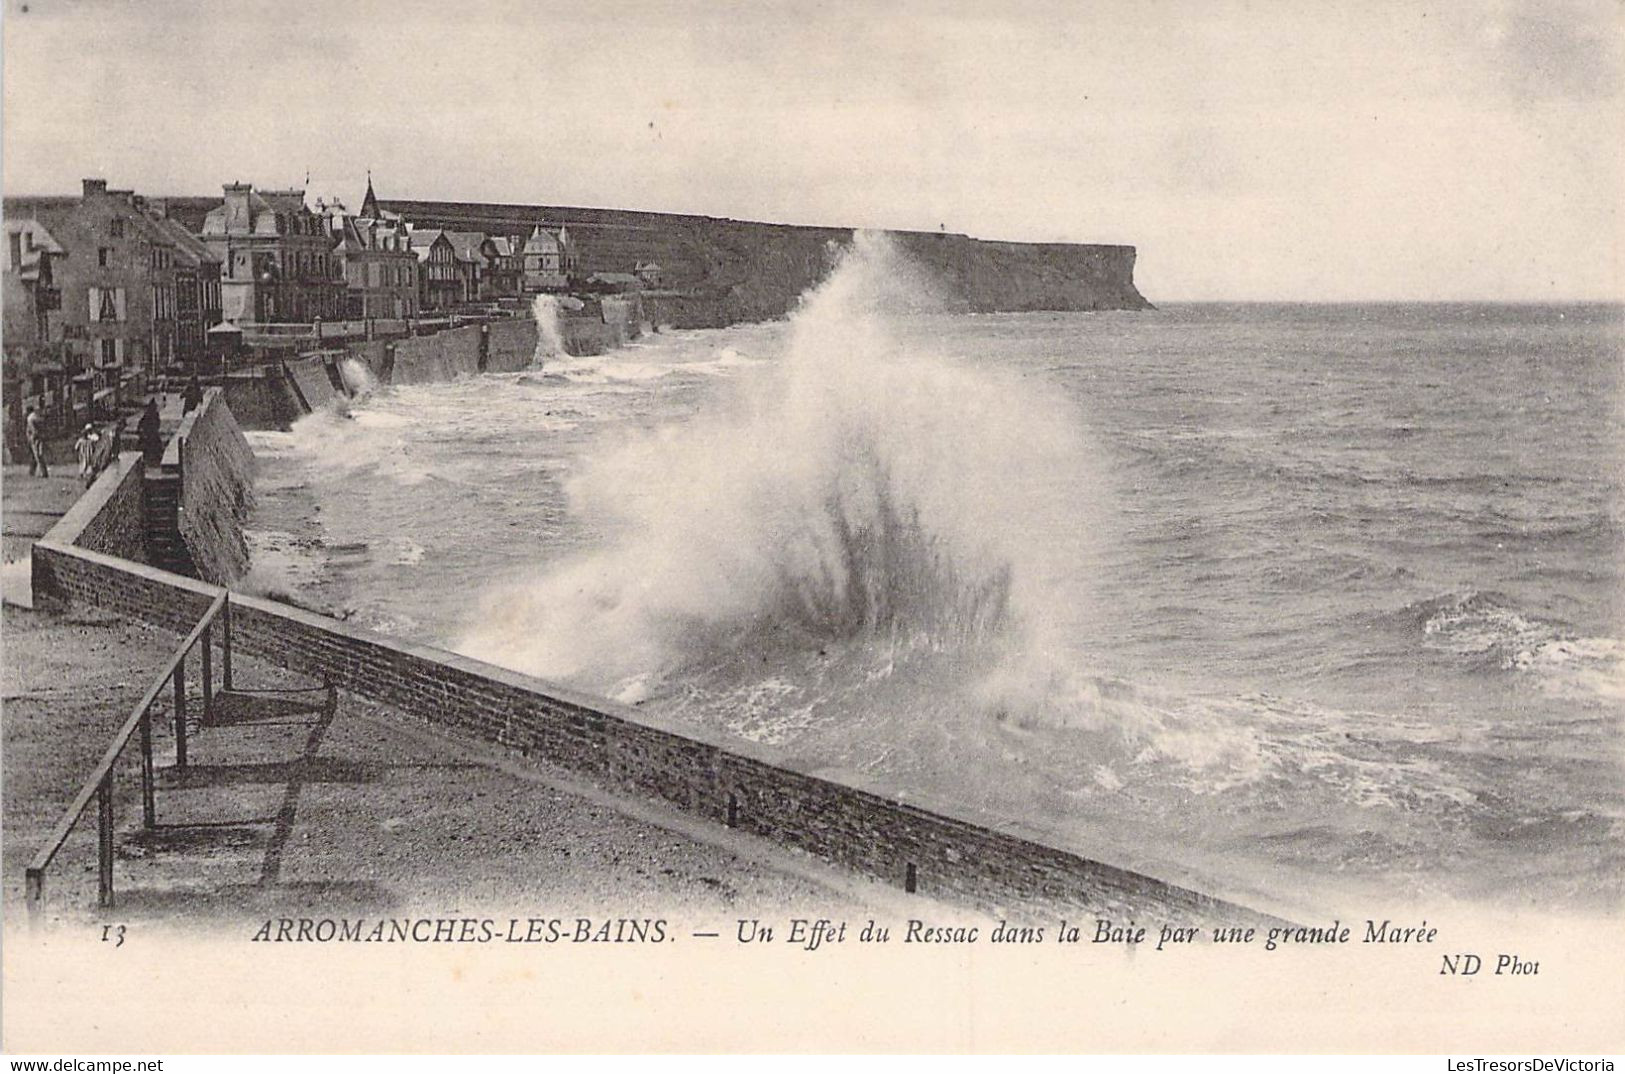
column 106, row 303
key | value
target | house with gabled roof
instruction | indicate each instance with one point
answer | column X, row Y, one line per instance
column 649, row 273
column 544, row 262
column 442, row 278
column 375, row 252
column 116, row 279
column 197, row 287
column 469, row 248
column 504, row 267
column 30, row 294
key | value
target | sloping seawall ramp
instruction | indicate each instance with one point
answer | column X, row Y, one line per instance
column 216, row 468
column 310, row 379
column 511, row 346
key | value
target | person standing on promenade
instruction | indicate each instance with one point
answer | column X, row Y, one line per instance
column 85, row 448
column 36, row 443
column 192, row 397
column 152, row 441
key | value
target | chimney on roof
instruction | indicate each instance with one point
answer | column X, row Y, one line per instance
column 159, row 207
column 93, row 187
column 237, row 214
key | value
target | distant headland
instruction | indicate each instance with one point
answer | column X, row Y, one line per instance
column 715, row 271
column 720, row 271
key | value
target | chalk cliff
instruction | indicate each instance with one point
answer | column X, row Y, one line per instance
column 718, row 271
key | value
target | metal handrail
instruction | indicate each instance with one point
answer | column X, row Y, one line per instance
column 100, row 783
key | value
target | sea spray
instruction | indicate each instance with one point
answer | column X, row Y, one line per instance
column 359, row 380
column 340, row 441
column 866, row 535
column 549, row 338
column 860, row 496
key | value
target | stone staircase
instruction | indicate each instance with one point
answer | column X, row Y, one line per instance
column 161, row 498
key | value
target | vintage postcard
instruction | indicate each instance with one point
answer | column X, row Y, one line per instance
column 814, row 527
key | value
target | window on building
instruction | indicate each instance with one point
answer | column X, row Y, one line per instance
column 116, row 229
column 106, row 303
column 104, row 256
column 109, row 352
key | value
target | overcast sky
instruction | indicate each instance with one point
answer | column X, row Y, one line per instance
column 1257, row 150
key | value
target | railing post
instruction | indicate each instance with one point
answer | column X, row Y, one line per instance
column 225, row 646
column 208, row 680
column 180, row 713
column 149, row 801
column 35, row 895
column 104, row 831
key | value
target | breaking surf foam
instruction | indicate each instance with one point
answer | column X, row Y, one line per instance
column 358, row 378
column 549, row 337
column 857, row 490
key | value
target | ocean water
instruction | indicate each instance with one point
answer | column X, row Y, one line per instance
column 1315, row 604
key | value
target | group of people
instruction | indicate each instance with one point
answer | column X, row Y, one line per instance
column 90, row 449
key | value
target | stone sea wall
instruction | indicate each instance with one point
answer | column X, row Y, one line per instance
column 506, row 345
column 109, row 518
column 263, row 397
column 435, row 358
column 511, row 345
column 312, row 382
column 216, row 468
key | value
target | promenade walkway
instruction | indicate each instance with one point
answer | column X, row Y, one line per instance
column 29, row 506
column 292, row 806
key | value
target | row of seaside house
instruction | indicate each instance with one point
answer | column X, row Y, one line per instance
column 109, row 285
